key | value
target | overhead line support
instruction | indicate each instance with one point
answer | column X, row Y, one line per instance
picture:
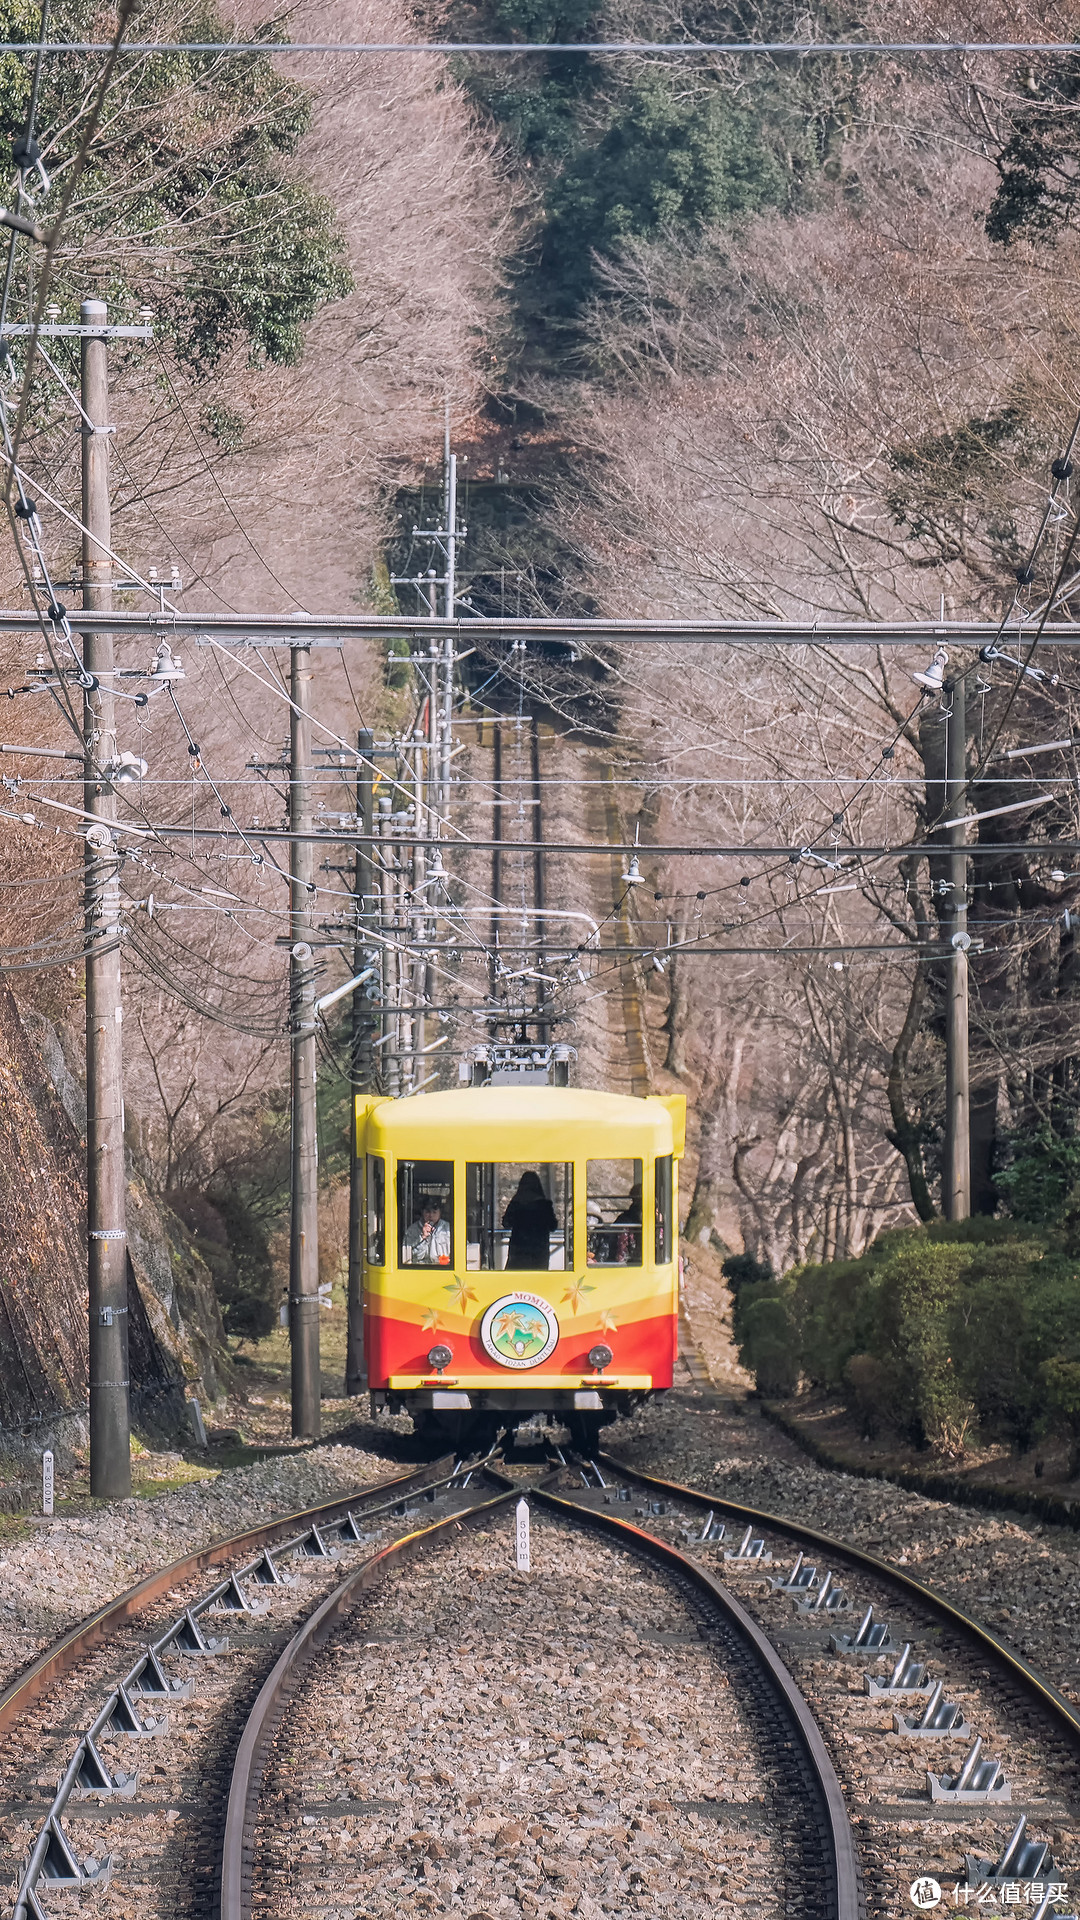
column 304, row 1146
column 957, row 1169
column 362, row 1070
column 106, row 1177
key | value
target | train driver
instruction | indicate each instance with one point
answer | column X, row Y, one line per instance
column 530, row 1219
column 427, row 1241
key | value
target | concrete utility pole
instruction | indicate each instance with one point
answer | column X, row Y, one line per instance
column 304, row 1216
column 106, row 1184
column 956, row 1197
column 362, row 1076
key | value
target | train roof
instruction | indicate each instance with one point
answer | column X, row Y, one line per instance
column 500, row 1123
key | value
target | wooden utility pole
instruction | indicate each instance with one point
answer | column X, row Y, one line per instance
column 106, row 1184
column 361, row 1075
column 304, row 1215
column 957, row 1171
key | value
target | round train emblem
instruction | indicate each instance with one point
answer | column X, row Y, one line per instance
column 520, row 1330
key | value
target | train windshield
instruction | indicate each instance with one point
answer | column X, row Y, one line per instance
column 613, row 1212
column 518, row 1216
column 425, row 1209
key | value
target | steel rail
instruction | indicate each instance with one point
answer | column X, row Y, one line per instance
column 846, row 1882
column 1062, row 1709
column 242, row 1805
column 186, row 1635
column 66, row 1652
column 235, row 1899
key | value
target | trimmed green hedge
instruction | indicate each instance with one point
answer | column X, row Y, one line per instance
column 935, row 1332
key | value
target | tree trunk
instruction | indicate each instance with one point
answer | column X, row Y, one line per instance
column 678, row 1012
column 905, row 1134
column 718, row 1122
column 708, row 1187
column 984, row 1105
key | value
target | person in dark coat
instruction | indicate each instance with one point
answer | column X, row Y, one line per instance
column 531, row 1219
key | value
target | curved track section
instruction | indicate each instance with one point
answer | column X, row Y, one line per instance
column 1062, row 1711
column 282, row 1682
column 52, row 1860
column 819, row 1837
column 66, row 1652
column 843, row 1901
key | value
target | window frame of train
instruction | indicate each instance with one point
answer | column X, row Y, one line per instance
column 614, row 1243
column 664, row 1207
column 414, row 1182
column 490, row 1185
column 375, row 1195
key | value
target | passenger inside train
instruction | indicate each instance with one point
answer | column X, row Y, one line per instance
column 425, row 1212
column 613, row 1210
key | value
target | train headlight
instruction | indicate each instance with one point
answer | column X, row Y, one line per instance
column 600, row 1357
column 440, row 1358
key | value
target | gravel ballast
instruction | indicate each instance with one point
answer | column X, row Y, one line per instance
column 71, row 1564
column 1018, row 1577
column 481, row 1741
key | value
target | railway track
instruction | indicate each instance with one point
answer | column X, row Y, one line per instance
column 122, row 1675
column 664, row 1715
column 316, row 1807
column 1017, row 1809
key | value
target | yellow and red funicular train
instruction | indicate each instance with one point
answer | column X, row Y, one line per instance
column 521, row 1254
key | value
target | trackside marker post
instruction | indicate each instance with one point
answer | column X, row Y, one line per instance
column 523, row 1536
column 47, row 1482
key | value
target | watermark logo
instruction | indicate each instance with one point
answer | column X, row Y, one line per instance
column 924, row 1893
column 988, row 1897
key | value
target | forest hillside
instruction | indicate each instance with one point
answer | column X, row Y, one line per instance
column 714, row 338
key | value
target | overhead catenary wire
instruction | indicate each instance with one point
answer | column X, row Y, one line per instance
column 747, row 49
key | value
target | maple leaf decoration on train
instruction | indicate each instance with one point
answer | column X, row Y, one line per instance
column 430, row 1322
column 608, row 1322
column 576, row 1291
column 462, row 1293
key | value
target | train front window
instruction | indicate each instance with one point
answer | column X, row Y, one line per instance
column 376, row 1209
column 664, row 1195
column 613, row 1213
column 425, row 1207
column 518, row 1216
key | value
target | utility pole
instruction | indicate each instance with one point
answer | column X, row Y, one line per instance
column 957, row 1172
column 446, row 714
column 106, row 1181
column 361, row 1075
column 304, row 1214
